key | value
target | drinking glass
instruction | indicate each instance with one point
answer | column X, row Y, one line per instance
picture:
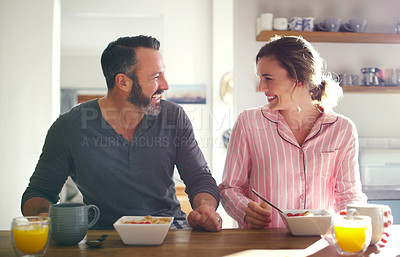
column 30, row 235
column 351, row 234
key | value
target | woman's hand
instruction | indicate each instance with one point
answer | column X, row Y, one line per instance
column 258, row 215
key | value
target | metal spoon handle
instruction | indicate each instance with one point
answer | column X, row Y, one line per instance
column 268, row 202
column 96, row 243
column 102, row 238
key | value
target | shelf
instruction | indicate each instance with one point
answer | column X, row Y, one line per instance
column 343, row 37
column 334, row 37
column 371, row 89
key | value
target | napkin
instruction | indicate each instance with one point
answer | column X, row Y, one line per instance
column 316, row 247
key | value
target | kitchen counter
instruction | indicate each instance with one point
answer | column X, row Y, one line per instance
column 382, row 192
column 245, row 242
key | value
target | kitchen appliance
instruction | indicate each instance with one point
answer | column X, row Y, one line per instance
column 372, row 76
column 380, row 178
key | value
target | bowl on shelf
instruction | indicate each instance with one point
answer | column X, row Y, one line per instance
column 143, row 230
column 307, row 222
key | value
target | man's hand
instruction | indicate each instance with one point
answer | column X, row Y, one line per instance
column 258, row 215
column 36, row 206
column 204, row 215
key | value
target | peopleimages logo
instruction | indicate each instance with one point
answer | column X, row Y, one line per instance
column 201, row 119
column 119, row 117
column 150, row 142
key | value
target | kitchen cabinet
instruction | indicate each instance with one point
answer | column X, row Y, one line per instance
column 343, row 37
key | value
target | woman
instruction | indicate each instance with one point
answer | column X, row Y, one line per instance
column 295, row 150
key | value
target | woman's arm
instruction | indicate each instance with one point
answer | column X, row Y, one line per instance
column 235, row 182
column 348, row 183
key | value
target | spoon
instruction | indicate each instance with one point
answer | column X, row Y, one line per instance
column 96, row 243
column 268, row 202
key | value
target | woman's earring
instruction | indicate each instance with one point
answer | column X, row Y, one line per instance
column 319, row 108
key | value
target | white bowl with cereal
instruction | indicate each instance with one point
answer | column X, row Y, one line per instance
column 143, row 230
column 303, row 222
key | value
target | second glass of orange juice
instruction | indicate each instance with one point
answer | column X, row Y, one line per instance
column 30, row 235
column 351, row 234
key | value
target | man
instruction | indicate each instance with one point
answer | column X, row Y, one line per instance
column 121, row 150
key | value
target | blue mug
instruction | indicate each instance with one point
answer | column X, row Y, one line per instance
column 308, row 24
column 330, row 24
column 70, row 222
column 355, row 25
column 296, row 24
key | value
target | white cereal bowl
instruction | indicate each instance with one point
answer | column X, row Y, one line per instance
column 141, row 234
column 316, row 225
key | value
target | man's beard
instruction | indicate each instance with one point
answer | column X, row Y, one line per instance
column 137, row 98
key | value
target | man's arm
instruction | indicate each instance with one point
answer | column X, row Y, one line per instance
column 204, row 198
column 200, row 185
column 51, row 171
column 204, row 215
column 36, row 206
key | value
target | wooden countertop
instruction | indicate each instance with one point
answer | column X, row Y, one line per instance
column 198, row 243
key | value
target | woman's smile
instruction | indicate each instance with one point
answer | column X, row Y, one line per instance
column 271, row 98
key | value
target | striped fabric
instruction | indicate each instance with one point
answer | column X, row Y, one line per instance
column 263, row 154
column 180, row 224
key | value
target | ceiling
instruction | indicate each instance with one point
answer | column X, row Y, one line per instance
column 85, row 33
column 90, row 34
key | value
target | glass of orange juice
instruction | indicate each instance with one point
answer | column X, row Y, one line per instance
column 30, row 235
column 351, row 234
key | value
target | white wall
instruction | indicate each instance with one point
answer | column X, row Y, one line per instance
column 187, row 52
column 222, row 112
column 29, row 93
column 88, row 26
column 375, row 115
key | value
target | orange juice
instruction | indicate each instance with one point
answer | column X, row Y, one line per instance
column 30, row 238
column 351, row 239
